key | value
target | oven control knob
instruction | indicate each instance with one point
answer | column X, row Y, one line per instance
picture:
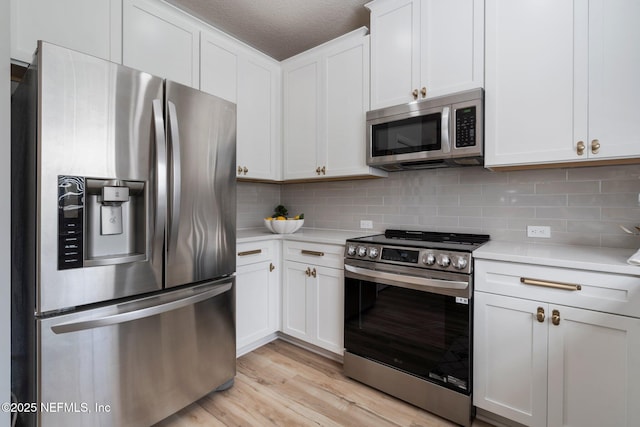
column 351, row 250
column 460, row 263
column 362, row 250
column 444, row 261
column 373, row 252
column 429, row 259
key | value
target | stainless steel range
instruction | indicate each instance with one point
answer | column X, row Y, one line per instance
column 408, row 313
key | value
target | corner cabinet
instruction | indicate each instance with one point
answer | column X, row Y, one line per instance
column 257, row 294
column 89, row 26
column 313, row 294
column 424, row 48
column 556, row 347
column 233, row 71
column 159, row 39
column 326, row 96
column 566, row 94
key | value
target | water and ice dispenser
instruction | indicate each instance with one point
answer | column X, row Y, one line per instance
column 100, row 221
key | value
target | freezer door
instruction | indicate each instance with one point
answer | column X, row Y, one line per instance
column 201, row 204
column 96, row 126
column 135, row 363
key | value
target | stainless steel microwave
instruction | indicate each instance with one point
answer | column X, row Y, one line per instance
column 439, row 132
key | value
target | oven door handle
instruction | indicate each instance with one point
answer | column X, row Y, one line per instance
column 405, row 278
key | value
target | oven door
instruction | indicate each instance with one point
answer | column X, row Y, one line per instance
column 411, row 319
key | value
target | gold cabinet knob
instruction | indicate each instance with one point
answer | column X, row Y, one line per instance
column 324, row 170
column 595, row 146
column 423, row 92
column 313, row 272
column 308, row 272
column 271, row 267
column 239, row 170
column 580, row 148
column 540, row 314
column 555, row 317
column 245, row 170
column 415, row 94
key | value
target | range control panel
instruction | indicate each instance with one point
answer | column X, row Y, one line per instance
column 70, row 222
column 434, row 259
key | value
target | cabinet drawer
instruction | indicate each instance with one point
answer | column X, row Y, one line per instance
column 606, row 292
column 251, row 253
column 314, row 253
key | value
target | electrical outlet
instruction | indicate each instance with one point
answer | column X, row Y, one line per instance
column 366, row 224
column 539, row 231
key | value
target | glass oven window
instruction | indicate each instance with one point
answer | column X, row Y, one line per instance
column 421, row 333
column 410, row 135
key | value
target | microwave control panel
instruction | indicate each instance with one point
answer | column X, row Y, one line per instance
column 466, row 127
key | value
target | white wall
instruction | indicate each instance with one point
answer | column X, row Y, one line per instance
column 5, row 214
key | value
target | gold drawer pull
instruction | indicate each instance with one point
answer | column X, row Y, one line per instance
column 555, row 285
column 253, row 252
column 314, row 253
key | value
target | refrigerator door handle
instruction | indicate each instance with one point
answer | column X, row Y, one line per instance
column 176, row 172
column 135, row 313
column 161, row 173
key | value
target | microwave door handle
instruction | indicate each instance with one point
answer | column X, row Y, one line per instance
column 176, row 172
column 446, row 137
column 161, row 173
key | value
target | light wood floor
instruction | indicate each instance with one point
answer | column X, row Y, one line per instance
column 280, row 384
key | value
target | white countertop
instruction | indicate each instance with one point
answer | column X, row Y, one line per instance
column 332, row 237
column 609, row 260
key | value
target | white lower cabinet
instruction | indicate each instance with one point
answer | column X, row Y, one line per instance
column 542, row 363
column 313, row 294
column 257, row 294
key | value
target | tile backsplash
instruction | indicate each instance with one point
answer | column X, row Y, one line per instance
column 582, row 206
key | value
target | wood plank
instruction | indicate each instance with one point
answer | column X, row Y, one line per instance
column 281, row 384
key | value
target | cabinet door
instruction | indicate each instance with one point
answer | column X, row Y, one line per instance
column 614, row 87
column 395, row 51
column 89, row 26
column 256, row 302
column 302, row 108
column 510, row 358
column 259, row 118
column 218, row 66
column 329, row 309
column 594, row 374
column 297, row 297
column 529, row 97
column 347, row 100
column 451, row 46
column 161, row 40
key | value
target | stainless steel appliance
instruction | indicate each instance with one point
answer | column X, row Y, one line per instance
column 408, row 311
column 433, row 133
column 123, row 217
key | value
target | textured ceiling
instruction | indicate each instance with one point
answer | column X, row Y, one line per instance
column 280, row 28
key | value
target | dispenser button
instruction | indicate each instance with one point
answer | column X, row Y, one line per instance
column 115, row 194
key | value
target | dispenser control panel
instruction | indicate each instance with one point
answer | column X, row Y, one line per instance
column 70, row 222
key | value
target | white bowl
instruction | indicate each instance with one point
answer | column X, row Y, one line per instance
column 283, row 226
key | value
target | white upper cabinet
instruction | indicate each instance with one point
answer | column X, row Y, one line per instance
column 565, row 94
column 424, row 48
column 259, row 118
column 89, row 26
column 326, row 96
column 252, row 80
column 161, row 40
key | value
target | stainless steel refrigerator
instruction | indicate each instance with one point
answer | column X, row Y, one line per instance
column 123, row 219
